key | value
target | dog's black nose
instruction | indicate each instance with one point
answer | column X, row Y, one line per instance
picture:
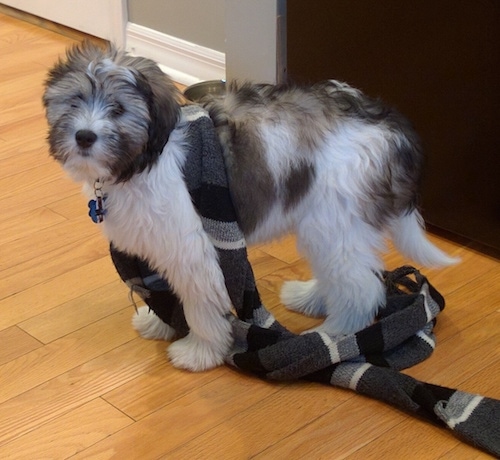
column 85, row 138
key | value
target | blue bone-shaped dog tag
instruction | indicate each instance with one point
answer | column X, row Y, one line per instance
column 96, row 210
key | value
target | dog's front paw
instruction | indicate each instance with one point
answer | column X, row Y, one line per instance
column 150, row 326
column 196, row 354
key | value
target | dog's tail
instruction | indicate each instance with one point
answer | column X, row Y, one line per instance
column 409, row 237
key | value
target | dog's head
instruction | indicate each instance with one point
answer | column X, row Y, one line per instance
column 109, row 114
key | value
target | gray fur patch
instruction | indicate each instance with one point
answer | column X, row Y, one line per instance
column 252, row 186
column 297, row 183
column 394, row 189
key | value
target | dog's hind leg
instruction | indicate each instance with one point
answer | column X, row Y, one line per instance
column 352, row 302
column 303, row 297
column 344, row 257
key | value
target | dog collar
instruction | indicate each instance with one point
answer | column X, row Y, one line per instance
column 96, row 207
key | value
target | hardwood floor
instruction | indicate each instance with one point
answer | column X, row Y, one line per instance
column 77, row 382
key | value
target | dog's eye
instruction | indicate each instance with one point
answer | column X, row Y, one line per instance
column 117, row 109
column 76, row 101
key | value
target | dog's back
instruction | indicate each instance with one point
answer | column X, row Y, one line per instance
column 289, row 149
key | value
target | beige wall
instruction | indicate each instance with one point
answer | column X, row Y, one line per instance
column 256, row 40
column 251, row 34
column 196, row 21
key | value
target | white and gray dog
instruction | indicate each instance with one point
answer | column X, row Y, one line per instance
column 326, row 162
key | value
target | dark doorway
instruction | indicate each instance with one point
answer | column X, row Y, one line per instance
column 438, row 62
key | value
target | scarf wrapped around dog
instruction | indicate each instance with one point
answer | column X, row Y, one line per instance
column 367, row 362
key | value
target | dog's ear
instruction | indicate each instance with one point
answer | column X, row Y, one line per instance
column 164, row 102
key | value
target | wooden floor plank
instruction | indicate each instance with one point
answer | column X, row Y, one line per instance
column 68, row 434
column 461, row 356
column 24, row 251
column 68, row 352
column 209, row 405
column 413, row 440
column 23, row 413
column 77, row 313
column 28, row 224
column 346, row 429
column 43, row 193
column 244, row 435
column 52, row 291
column 157, row 388
column 16, row 342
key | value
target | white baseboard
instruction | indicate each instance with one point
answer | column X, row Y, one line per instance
column 184, row 62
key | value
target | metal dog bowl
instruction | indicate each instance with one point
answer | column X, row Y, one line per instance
column 198, row 91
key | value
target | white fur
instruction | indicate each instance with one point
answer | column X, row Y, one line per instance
column 150, row 326
column 409, row 237
column 331, row 233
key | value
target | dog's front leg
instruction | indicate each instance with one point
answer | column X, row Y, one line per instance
column 199, row 282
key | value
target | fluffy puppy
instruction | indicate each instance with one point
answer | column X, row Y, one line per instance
column 326, row 162
column 113, row 125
